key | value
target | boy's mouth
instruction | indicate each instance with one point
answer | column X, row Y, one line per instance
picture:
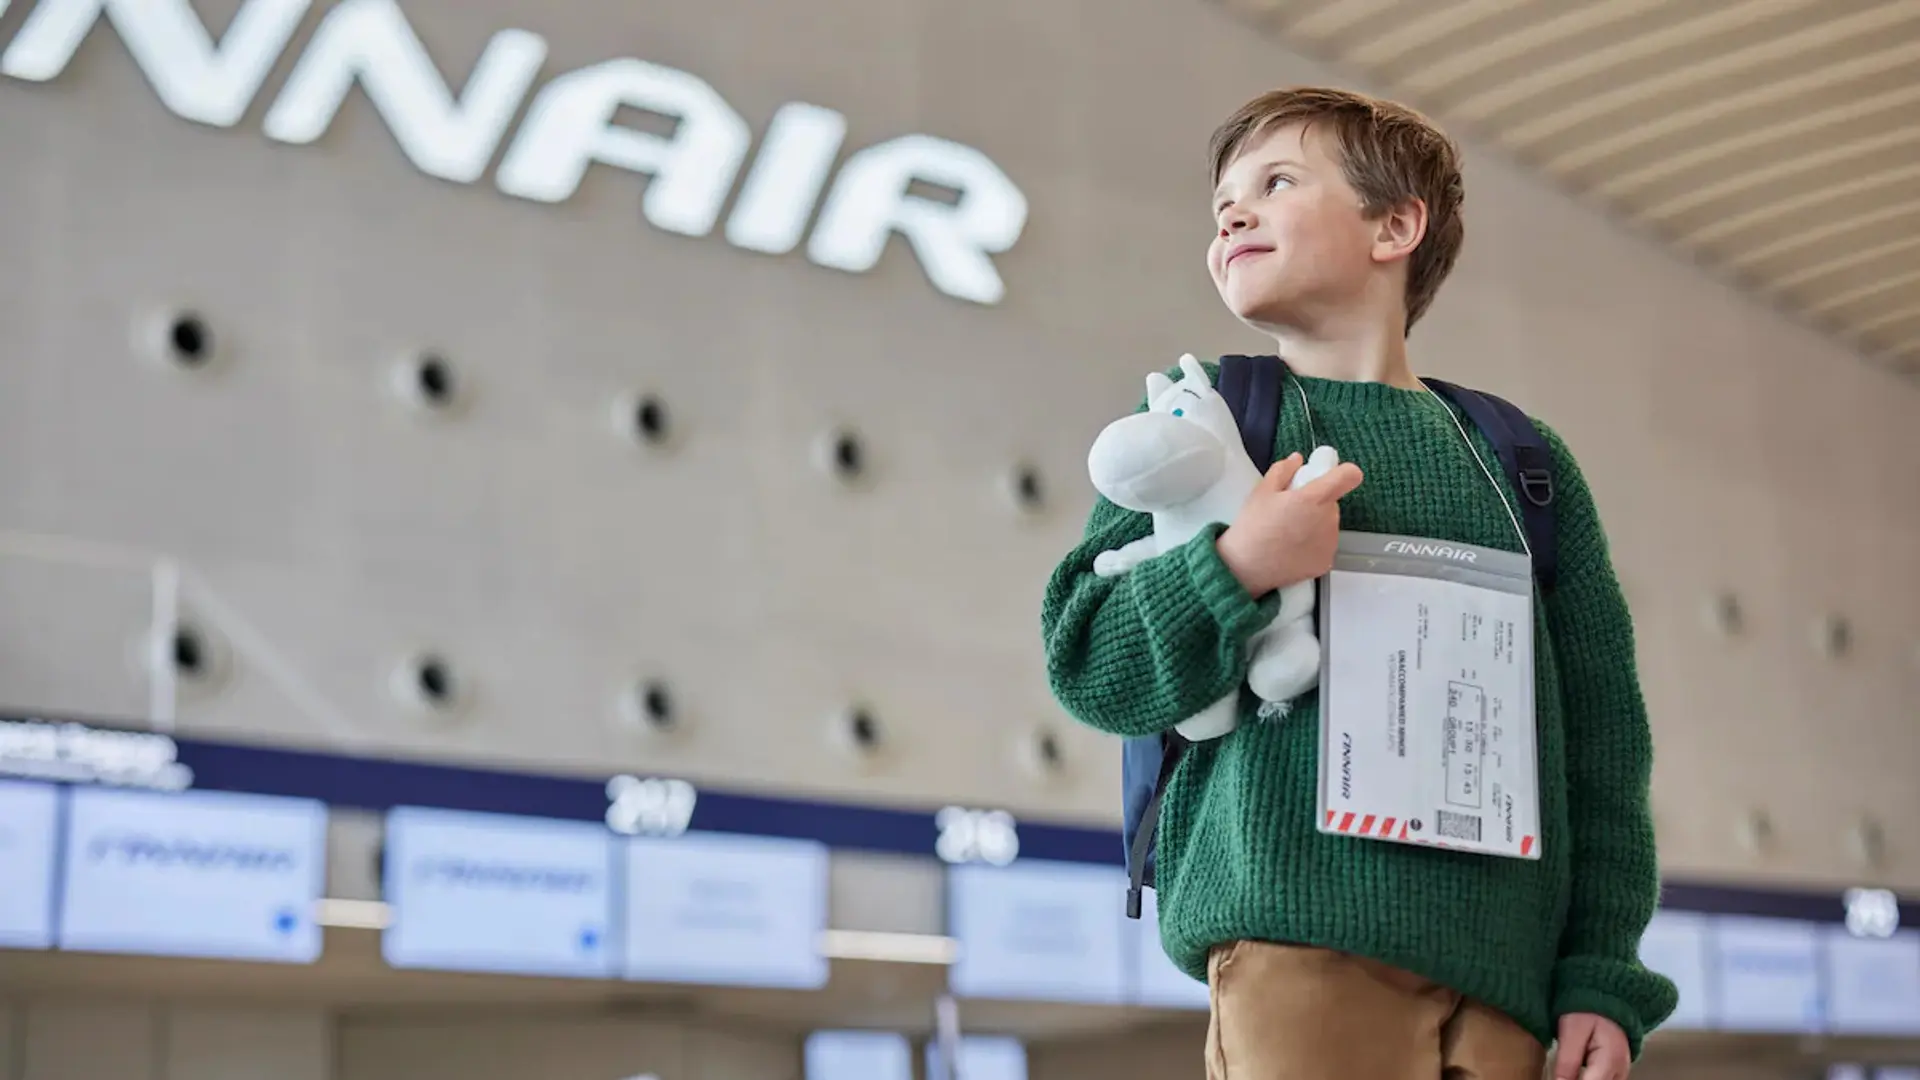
column 1234, row 253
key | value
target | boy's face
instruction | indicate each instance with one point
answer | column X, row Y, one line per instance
column 1291, row 246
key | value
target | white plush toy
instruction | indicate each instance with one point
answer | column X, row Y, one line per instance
column 1183, row 462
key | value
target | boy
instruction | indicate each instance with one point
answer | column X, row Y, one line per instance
column 1337, row 217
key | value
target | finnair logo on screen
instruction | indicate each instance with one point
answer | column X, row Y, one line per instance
column 569, row 126
column 145, row 849
column 474, row 874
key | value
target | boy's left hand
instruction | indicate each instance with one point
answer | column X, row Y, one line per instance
column 1592, row 1041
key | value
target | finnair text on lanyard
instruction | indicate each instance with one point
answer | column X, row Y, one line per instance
column 1427, row 731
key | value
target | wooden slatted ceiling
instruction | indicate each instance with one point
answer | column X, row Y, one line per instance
column 1778, row 140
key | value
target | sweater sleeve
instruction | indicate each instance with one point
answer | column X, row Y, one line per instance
column 1609, row 764
column 1138, row 653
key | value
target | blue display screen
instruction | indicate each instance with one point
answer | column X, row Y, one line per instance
column 1767, row 975
column 490, row 892
column 1157, row 982
column 1873, row 984
column 715, row 908
column 29, row 831
column 858, row 1055
column 205, row 874
column 1039, row 931
column 982, row 1057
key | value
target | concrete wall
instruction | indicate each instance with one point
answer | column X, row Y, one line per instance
column 324, row 532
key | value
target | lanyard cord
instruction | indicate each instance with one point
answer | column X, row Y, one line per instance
column 1314, row 434
column 1484, row 471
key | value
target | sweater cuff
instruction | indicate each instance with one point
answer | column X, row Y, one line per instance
column 1239, row 614
column 1627, row 994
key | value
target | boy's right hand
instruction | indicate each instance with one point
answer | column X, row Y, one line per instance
column 1284, row 537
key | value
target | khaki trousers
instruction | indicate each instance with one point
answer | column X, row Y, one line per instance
column 1289, row 1012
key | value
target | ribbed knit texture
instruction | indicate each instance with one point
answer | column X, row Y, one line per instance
column 1239, row 855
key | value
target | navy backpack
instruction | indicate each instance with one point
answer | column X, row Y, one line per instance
column 1251, row 385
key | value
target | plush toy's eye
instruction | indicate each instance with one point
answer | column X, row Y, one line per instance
column 1179, row 412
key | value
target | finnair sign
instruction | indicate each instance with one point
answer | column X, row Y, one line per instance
column 569, row 126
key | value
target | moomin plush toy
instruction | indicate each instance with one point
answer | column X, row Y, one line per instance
column 1183, row 462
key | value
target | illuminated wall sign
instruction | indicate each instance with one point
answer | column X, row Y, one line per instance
column 568, row 126
column 988, row 836
column 650, row 806
column 205, row 874
column 738, row 910
column 1871, row 913
column 487, row 892
column 78, row 754
column 1038, row 931
column 29, row 823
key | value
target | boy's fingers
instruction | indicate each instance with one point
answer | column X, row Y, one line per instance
column 1335, row 485
column 1575, row 1033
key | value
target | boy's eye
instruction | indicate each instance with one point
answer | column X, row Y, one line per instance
column 1276, row 180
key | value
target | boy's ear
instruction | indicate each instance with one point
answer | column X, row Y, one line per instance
column 1398, row 231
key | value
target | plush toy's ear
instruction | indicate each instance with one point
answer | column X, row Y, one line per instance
column 1157, row 384
column 1191, row 369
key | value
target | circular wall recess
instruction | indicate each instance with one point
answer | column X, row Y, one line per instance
column 1867, row 841
column 196, row 658
column 644, row 419
column 1042, row 753
column 1025, row 489
column 1833, row 636
column 428, row 683
column 843, row 455
column 427, row 382
column 649, row 706
column 857, row 731
column 1755, row 833
column 179, row 338
column 1724, row 614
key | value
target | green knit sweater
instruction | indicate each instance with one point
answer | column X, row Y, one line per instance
column 1239, row 855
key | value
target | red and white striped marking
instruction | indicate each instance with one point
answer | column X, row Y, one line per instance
column 1354, row 823
column 1366, row 824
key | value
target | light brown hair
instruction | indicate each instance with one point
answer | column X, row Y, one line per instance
column 1390, row 155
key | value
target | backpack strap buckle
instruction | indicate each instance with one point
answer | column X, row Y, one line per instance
column 1537, row 486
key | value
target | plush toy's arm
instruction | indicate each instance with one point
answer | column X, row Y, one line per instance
column 1138, row 653
column 1124, row 558
column 1609, row 758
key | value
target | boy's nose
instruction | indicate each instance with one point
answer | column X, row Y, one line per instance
column 1234, row 221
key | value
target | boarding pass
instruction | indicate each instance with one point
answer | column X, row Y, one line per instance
column 1427, row 732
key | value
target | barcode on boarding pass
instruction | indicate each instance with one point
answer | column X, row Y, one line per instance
column 1457, row 826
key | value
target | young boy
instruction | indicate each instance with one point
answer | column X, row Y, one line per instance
column 1337, row 218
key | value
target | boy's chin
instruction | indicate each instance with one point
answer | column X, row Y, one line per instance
column 1258, row 310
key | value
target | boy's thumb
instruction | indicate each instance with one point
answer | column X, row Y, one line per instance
column 1280, row 476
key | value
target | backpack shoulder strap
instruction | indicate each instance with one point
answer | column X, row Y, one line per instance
column 1524, row 458
column 1251, row 385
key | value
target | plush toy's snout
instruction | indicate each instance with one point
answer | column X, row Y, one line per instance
column 1150, row 461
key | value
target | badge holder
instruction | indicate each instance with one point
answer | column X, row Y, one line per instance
column 1427, row 726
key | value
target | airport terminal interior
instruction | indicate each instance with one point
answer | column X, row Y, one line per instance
column 524, row 525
